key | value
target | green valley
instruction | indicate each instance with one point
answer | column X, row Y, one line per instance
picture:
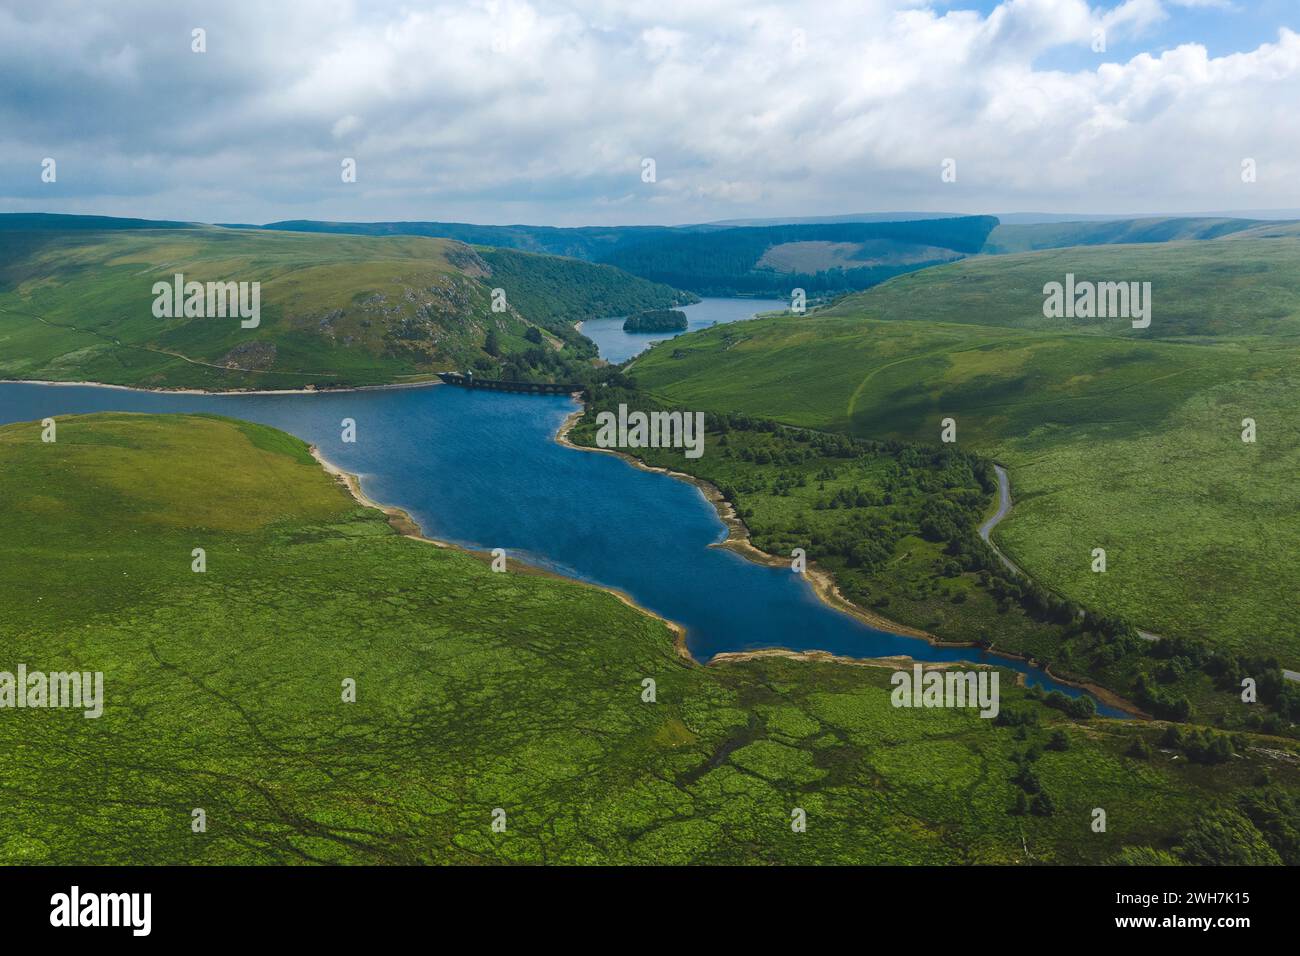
column 1115, row 438
column 477, row 692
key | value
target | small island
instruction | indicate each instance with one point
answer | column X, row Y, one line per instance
column 656, row 320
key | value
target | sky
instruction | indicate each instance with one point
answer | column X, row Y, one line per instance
column 507, row 111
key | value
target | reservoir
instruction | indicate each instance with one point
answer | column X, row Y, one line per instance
column 618, row 346
column 482, row 469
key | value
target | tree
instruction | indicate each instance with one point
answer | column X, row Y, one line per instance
column 493, row 344
column 1223, row 837
column 1276, row 814
column 1058, row 741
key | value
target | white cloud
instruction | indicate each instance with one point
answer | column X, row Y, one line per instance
column 541, row 111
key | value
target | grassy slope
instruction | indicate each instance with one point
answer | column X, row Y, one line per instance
column 336, row 310
column 1055, row 235
column 1115, row 438
column 1205, row 291
column 475, row 690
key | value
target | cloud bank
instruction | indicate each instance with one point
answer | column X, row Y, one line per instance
column 509, row 111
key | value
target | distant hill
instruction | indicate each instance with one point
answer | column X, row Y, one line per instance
column 1010, row 238
column 819, row 258
column 714, row 259
column 57, row 222
column 1270, row 230
column 845, row 217
column 591, row 243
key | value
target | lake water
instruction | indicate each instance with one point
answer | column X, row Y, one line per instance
column 482, row 469
column 619, row 346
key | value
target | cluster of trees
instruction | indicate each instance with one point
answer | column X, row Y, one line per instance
column 1201, row 745
column 941, row 493
column 1163, row 703
column 534, row 364
column 849, row 498
column 1181, row 656
column 1080, row 708
column 1260, row 828
column 1031, row 797
column 656, row 320
column 555, row 292
column 766, row 456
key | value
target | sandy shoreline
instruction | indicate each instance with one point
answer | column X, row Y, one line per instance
column 823, row 585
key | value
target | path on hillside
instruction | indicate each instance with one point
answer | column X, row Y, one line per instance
column 157, row 351
column 960, row 346
column 1004, row 508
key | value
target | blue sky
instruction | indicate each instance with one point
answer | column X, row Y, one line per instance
column 1227, row 26
column 546, row 111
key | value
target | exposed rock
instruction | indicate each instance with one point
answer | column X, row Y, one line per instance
column 250, row 355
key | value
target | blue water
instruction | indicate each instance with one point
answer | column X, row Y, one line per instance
column 482, row 469
column 618, row 346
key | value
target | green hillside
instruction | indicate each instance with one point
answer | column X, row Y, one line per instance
column 223, row 691
column 1011, row 237
column 77, row 304
column 1200, row 290
column 1115, row 438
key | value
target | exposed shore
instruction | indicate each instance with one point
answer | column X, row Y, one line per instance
column 823, row 585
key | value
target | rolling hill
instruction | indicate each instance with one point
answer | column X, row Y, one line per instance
column 1201, row 291
column 77, row 304
column 1014, row 237
column 1123, row 439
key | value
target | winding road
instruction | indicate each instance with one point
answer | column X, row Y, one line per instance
column 1004, row 508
